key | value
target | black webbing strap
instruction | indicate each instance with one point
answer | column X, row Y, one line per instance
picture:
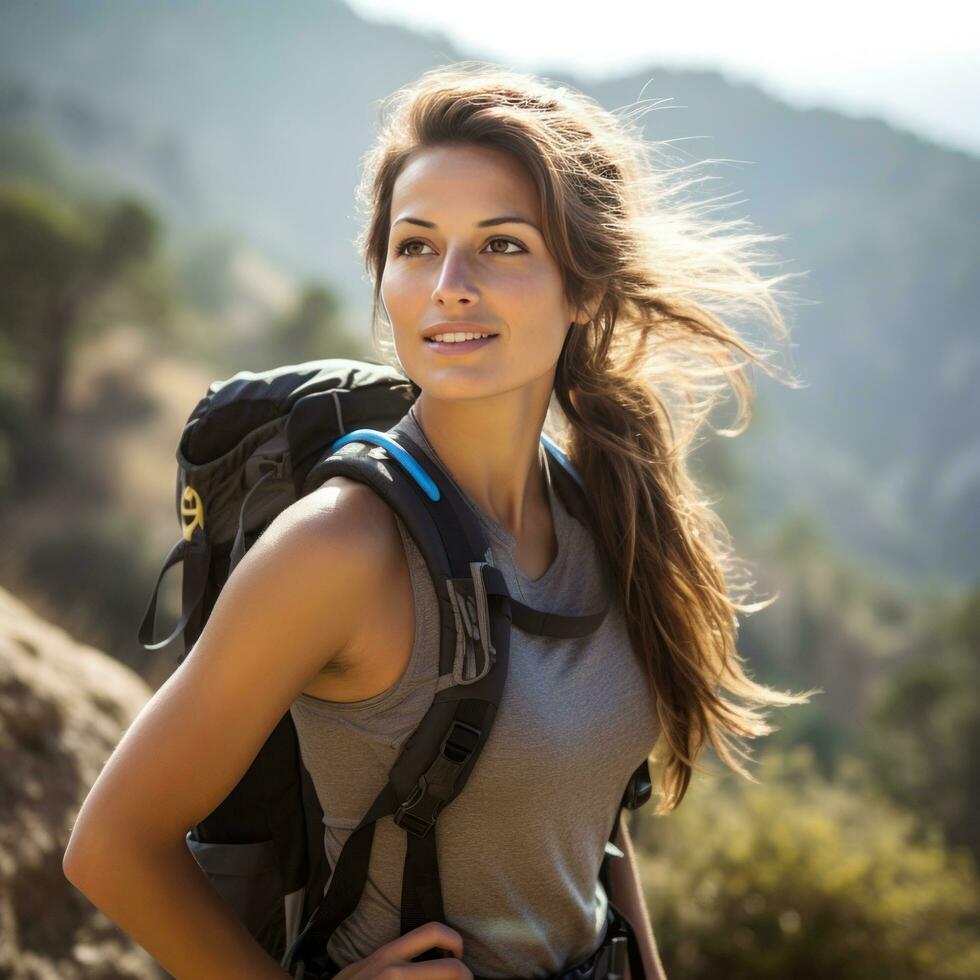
column 346, row 883
column 638, row 791
column 426, row 775
column 195, row 553
column 538, row 621
column 524, row 617
column 421, row 899
column 421, row 887
column 554, row 624
column 464, row 533
column 421, row 891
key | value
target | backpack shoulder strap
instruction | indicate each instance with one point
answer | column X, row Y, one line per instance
column 437, row 759
column 435, row 762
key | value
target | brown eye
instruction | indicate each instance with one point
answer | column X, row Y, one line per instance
column 506, row 241
column 402, row 247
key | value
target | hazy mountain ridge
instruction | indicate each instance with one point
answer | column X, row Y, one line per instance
column 273, row 107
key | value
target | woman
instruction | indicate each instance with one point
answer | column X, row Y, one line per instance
column 528, row 257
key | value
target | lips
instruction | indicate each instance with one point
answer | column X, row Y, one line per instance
column 439, row 328
column 458, row 346
column 451, row 343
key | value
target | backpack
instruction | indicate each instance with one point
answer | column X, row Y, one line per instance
column 254, row 444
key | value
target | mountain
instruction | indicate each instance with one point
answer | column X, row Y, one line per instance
column 260, row 115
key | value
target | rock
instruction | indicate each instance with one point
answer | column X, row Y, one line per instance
column 63, row 708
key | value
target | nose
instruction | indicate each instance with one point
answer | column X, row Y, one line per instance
column 455, row 281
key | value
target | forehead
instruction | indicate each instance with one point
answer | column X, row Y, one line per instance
column 477, row 180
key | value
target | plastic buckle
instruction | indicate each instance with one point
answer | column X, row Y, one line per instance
column 417, row 815
column 414, row 822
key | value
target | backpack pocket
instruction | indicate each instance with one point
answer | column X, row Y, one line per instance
column 248, row 878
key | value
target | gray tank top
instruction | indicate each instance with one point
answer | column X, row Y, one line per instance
column 520, row 848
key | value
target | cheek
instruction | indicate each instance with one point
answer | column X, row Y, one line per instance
column 538, row 283
column 389, row 291
column 399, row 287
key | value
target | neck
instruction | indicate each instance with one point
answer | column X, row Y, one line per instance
column 490, row 446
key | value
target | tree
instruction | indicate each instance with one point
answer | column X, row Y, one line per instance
column 925, row 738
column 56, row 259
column 311, row 330
column 795, row 876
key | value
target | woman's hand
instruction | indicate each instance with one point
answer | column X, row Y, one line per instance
column 394, row 958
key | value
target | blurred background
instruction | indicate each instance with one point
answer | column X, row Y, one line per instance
column 176, row 205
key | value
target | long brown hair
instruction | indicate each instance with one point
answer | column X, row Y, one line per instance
column 635, row 383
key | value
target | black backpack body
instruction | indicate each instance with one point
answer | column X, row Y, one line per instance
column 253, row 445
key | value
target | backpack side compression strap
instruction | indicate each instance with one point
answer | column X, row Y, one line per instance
column 194, row 552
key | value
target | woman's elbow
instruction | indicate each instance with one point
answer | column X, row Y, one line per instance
column 82, row 859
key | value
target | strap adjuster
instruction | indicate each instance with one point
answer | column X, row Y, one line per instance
column 460, row 742
column 417, row 815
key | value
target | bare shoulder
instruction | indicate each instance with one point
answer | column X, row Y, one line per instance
column 380, row 637
column 345, row 520
column 351, row 514
column 341, row 533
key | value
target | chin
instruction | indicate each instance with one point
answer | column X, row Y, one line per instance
column 457, row 392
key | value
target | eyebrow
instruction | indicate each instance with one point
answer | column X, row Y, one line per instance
column 506, row 219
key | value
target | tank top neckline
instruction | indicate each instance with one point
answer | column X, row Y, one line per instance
column 497, row 530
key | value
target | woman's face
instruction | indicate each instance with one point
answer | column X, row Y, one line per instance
column 497, row 279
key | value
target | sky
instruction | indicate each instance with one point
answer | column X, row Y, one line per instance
column 915, row 66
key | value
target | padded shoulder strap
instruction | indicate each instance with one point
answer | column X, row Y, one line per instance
column 436, row 760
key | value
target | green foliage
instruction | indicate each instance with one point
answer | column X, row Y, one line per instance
column 43, row 243
column 30, row 456
column 56, row 260
column 798, row 877
column 27, row 154
column 309, row 331
column 926, row 735
column 144, row 294
column 129, row 233
column 97, row 574
column 204, row 271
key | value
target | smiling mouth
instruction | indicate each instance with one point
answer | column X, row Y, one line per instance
column 448, row 346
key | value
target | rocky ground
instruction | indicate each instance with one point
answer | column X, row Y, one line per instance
column 63, row 708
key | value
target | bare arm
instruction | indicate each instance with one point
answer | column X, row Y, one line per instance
column 162, row 899
column 286, row 610
column 627, row 895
